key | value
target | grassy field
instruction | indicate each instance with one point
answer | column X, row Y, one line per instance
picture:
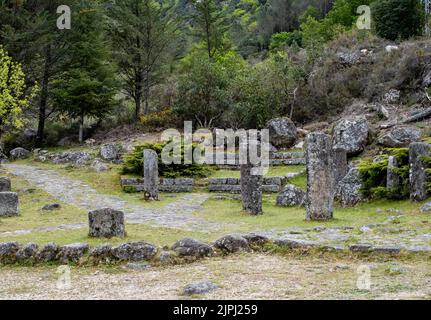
column 226, row 211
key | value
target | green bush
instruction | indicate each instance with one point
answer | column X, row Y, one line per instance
column 398, row 19
column 285, row 39
column 374, row 174
column 427, row 161
column 134, row 164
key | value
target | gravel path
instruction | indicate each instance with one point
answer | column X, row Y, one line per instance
column 178, row 215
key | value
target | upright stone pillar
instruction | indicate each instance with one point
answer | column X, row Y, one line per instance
column 106, row 223
column 320, row 178
column 151, row 174
column 251, row 190
column 5, row 185
column 418, row 176
column 340, row 165
column 393, row 179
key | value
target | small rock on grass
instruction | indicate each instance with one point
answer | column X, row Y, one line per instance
column 51, row 207
column 199, row 288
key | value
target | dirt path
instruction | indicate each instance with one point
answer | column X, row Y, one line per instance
column 178, row 214
column 237, row 277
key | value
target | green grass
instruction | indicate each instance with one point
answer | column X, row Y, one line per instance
column 278, row 218
column 158, row 236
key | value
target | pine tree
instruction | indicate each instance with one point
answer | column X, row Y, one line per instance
column 87, row 86
column 143, row 34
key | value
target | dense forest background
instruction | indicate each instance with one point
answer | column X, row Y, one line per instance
column 232, row 63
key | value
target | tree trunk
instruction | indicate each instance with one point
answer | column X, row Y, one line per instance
column 147, row 94
column 43, row 97
column 81, row 129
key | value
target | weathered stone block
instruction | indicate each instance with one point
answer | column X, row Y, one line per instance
column 151, row 174
column 340, row 165
column 106, row 223
column 232, row 243
column 291, row 196
column 393, row 179
column 251, row 190
column 320, row 178
column 418, row 176
column 48, row 253
column 8, row 204
column 5, row 185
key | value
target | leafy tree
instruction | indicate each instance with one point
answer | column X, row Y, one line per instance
column 87, row 86
column 203, row 91
column 12, row 93
column 143, row 33
column 398, row 19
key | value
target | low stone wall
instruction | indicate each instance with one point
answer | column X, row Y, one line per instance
column 233, row 185
column 165, row 184
column 182, row 251
column 275, row 159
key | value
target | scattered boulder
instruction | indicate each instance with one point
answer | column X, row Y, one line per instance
column 110, row 152
column 8, row 252
column 348, row 190
column 232, row 243
column 400, row 136
column 3, row 157
column 72, row 252
column 135, row 251
column 191, row 247
column 199, row 288
column 27, row 253
column 351, row 134
column 48, row 253
column 77, row 158
column 294, row 243
column 282, row 132
column 99, row 166
column 51, row 207
column 106, row 223
column 391, row 48
column 8, row 204
column 67, row 141
column 426, row 207
column 392, row 96
column 291, row 196
column 19, row 153
column 348, row 58
column 5, row 185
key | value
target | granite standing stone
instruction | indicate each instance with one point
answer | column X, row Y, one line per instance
column 418, row 176
column 393, row 180
column 8, row 204
column 320, row 178
column 106, row 223
column 340, row 165
column 5, row 185
column 251, row 190
column 151, row 174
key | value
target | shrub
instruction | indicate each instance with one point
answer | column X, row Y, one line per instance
column 158, row 120
column 285, row 39
column 134, row 164
column 374, row 174
column 398, row 19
